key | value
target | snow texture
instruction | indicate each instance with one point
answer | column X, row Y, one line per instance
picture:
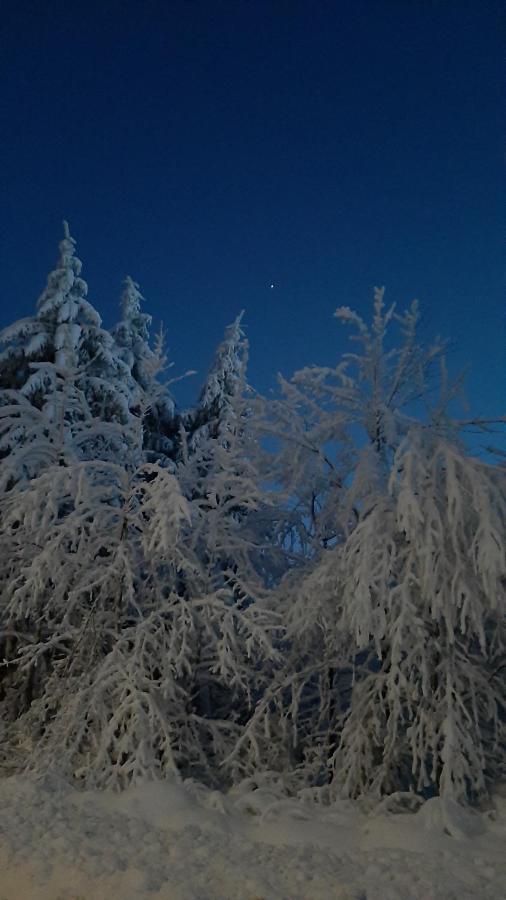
column 180, row 841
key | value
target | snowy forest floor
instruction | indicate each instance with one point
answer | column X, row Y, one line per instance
column 182, row 842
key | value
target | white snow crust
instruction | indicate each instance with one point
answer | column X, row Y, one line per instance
column 175, row 841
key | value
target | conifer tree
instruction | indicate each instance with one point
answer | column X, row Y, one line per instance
column 226, row 379
column 131, row 643
column 66, row 331
column 131, row 335
column 230, row 518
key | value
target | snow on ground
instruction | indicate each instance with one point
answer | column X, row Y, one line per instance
column 182, row 842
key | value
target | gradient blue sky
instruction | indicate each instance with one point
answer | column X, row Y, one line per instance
column 212, row 148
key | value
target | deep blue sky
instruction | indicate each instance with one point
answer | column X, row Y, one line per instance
column 212, row 148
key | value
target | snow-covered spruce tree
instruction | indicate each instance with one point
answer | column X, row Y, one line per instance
column 236, row 562
column 377, row 691
column 124, row 634
column 225, row 381
column 66, row 331
column 32, row 438
column 33, row 435
column 225, row 424
column 131, row 335
column 223, row 432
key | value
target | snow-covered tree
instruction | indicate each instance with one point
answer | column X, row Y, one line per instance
column 84, row 571
column 131, row 335
column 41, row 446
column 63, row 428
column 129, row 648
column 423, row 597
column 119, row 643
column 66, row 331
column 375, row 693
column 330, row 605
column 236, row 563
column 224, row 383
column 228, row 540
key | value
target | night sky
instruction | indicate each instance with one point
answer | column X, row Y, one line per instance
column 211, row 149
